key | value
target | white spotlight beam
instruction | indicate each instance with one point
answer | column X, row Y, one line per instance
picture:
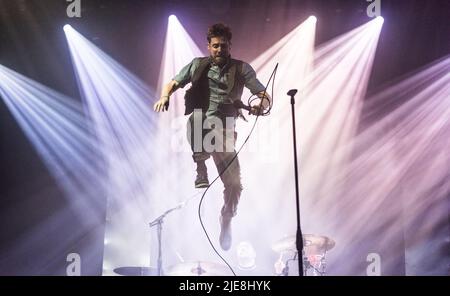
column 328, row 106
column 56, row 128
column 401, row 161
column 266, row 163
column 55, row 125
column 175, row 160
column 179, row 50
column 174, row 182
column 119, row 104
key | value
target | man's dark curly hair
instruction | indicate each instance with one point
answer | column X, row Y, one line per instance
column 219, row 30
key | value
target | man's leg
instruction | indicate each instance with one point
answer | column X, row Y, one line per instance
column 231, row 178
column 195, row 134
column 201, row 181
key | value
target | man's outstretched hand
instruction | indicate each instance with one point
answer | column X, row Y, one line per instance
column 256, row 110
column 162, row 104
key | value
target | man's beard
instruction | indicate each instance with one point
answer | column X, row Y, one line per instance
column 220, row 60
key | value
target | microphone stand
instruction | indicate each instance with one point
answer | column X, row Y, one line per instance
column 299, row 236
column 158, row 222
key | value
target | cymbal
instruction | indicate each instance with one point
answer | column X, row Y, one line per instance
column 135, row 271
column 312, row 244
column 198, row 268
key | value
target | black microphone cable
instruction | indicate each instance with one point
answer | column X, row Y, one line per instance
column 235, row 156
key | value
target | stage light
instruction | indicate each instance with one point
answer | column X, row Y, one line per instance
column 329, row 102
column 172, row 18
column 57, row 129
column 331, row 83
column 341, row 65
column 246, row 255
column 67, row 27
column 119, row 104
column 398, row 173
column 174, row 161
column 312, row 18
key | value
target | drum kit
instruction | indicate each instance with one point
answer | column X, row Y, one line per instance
column 315, row 248
column 135, row 271
column 194, row 268
column 198, row 268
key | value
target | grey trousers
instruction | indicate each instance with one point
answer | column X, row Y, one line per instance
column 221, row 148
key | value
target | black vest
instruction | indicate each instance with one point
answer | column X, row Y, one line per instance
column 197, row 96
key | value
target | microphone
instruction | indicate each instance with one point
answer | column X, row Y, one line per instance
column 292, row 92
column 240, row 105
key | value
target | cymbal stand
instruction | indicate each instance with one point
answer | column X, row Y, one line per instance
column 158, row 222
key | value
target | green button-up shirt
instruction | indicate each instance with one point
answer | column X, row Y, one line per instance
column 218, row 80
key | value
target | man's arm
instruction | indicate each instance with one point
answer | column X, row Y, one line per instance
column 255, row 87
column 265, row 99
column 163, row 103
column 179, row 81
column 263, row 104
